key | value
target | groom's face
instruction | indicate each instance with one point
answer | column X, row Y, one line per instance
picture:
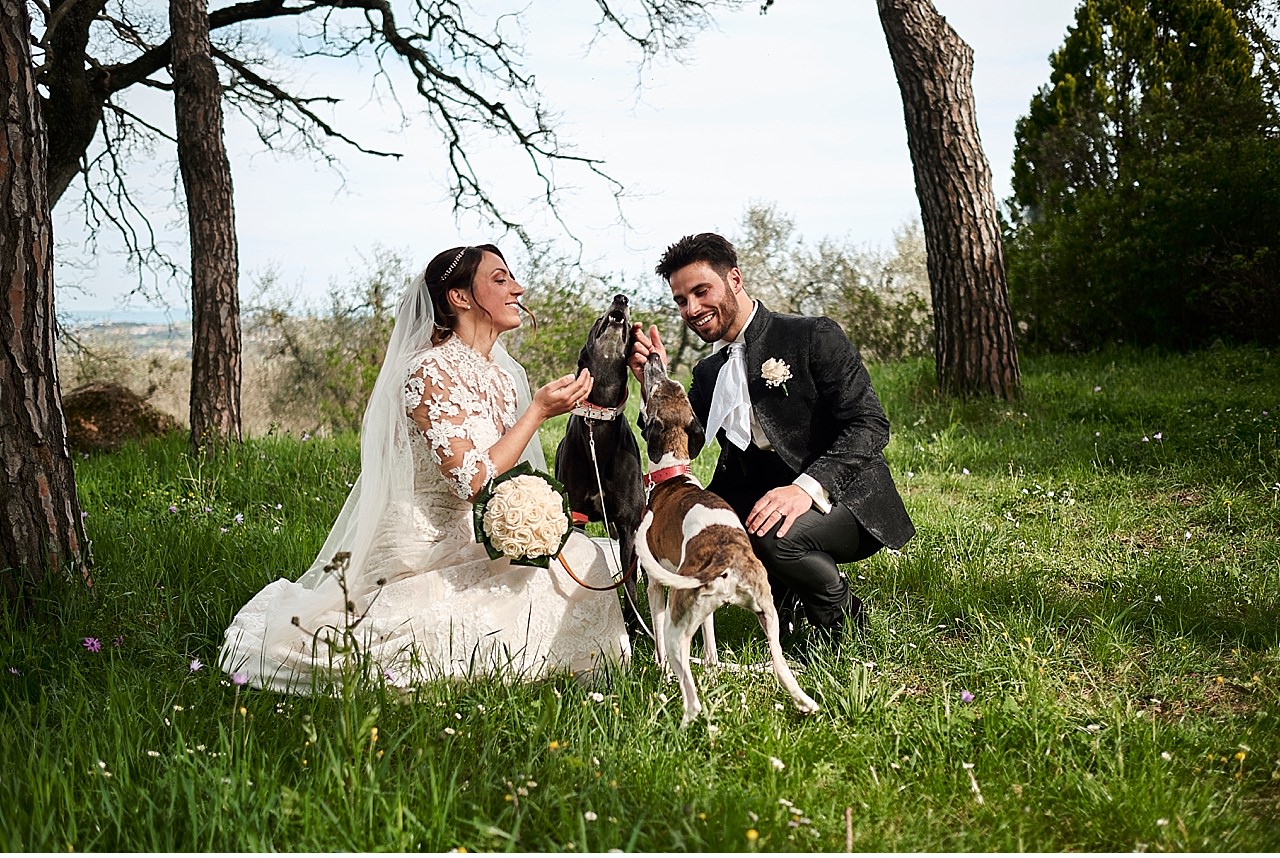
column 708, row 303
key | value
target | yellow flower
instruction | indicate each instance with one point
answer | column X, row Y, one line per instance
column 752, row 835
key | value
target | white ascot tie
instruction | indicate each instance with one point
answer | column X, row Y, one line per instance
column 730, row 403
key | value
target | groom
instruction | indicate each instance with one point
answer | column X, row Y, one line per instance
column 801, row 434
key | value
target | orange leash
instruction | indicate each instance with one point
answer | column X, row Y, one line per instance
column 615, row 585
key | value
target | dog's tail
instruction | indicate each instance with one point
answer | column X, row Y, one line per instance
column 672, row 580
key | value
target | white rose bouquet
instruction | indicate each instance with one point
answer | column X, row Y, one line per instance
column 775, row 373
column 523, row 515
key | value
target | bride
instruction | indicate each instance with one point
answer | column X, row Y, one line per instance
column 401, row 590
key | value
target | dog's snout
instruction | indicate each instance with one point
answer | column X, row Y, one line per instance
column 617, row 314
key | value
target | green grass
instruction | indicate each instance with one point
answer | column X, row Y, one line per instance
column 1098, row 565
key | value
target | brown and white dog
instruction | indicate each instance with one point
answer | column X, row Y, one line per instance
column 691, row 541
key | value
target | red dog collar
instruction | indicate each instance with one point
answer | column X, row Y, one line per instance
column 661, row 475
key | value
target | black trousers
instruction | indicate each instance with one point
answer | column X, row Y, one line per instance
column 805, row 561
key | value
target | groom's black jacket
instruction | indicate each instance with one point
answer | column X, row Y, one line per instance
column 825, row 421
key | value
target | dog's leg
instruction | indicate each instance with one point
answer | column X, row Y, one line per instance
column 631, row 572
column 678, row 642
column 658, row 616
column 710, row 657
column 768, row 617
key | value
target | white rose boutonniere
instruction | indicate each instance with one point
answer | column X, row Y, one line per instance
column 523, row 515
column 776, row 373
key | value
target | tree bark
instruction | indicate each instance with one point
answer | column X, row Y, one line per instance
column 973, row 328
column 206, row 177
column 41, row 532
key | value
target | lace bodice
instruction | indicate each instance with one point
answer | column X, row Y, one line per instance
column 460, row 403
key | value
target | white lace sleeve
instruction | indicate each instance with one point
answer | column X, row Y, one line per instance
column 443, row 401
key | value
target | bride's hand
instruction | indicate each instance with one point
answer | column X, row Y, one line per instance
column 564, row 394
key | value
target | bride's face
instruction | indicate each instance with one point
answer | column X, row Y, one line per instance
column 496, row 292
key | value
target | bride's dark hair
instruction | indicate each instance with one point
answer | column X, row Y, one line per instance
column 455, row 268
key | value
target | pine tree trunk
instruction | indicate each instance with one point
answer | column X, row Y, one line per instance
column 41, row 532
column 973, row 328
column 206, row 177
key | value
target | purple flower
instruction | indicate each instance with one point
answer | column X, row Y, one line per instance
column 239, row 678
column 196, row 664
column 239, row 518
column 15, row 671
column 966, row 696
column 173, row 507
column 117, row 641
column 92, row 644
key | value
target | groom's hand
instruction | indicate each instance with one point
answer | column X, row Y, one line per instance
column 784, row 504
column 642, row 345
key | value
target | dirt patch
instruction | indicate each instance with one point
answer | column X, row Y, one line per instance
column 103, row 416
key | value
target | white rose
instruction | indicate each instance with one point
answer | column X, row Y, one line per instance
column 775, row 372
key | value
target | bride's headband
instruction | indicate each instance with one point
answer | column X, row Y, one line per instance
column 454, row 263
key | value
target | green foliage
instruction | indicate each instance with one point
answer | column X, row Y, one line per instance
column 1098, row 568
column 880, row 298
column 325, row 364
column 1146, row 202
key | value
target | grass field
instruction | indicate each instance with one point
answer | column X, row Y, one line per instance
column 1079, row 651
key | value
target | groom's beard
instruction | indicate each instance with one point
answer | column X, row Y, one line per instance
column 726, row 313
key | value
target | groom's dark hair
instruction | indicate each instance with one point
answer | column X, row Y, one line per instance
column 715, row 250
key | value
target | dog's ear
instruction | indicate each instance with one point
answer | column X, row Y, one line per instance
column 697, row 436
column 652, row 431
column 582, row 356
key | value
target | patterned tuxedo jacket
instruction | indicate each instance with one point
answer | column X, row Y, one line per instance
column 826, row 421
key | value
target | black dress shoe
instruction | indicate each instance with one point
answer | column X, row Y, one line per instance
column 821, row 642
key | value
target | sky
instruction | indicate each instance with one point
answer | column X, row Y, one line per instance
column 798, row 109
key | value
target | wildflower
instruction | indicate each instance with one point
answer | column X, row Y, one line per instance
column 173, row 507
column 153, row 753
column 240, row 678
column 597, row 696
column 306, row 436
column 776, row 764
column 15, row 671
column 590, row 816
column 964, row 471
column 752, row 835
column 966, row 696
column 1159, row 598
column 92, row 644
column 195, row 665
column 239, row 519
column 1097, row 388
column 1166, row 756
column 117, row 641
column 1162, row 822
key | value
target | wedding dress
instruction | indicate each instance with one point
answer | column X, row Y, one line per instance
column 427, row 602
